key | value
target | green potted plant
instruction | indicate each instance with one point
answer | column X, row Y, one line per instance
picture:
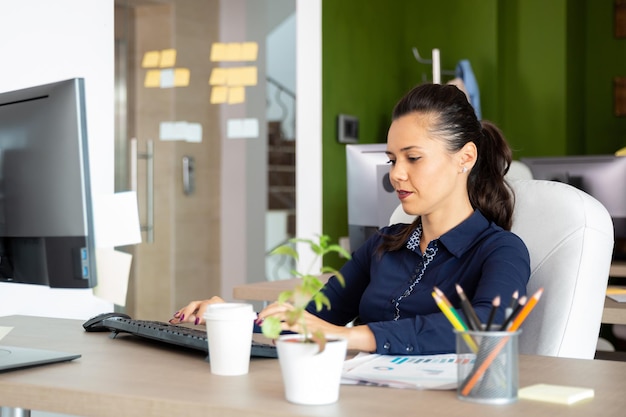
column 311, row 362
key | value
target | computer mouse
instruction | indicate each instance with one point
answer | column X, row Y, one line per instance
column 94, row 324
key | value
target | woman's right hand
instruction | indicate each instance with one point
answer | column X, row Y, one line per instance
column 194, row 311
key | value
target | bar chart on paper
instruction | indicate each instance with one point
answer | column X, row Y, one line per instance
column 417, row 372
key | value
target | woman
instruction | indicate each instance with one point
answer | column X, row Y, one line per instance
column 447, row 169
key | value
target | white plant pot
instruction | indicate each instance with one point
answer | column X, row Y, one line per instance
column 311, row 378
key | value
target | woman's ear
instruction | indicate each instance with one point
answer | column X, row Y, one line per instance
column 468, row 154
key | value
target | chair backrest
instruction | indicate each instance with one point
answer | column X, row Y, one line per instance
column 519, row 171
column 569, row 236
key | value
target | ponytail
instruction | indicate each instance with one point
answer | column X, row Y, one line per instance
column 488, row 191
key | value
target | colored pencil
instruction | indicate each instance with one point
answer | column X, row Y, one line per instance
column 454, row 319
column 512, row 305
column 521, row 316
column 495, row 304
column 528, row 307
column 472, row 318
column 442, row 296
column 450, row 307
column 518, row 308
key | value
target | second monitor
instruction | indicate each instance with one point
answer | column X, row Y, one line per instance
column 601, row 176
column 371, row 197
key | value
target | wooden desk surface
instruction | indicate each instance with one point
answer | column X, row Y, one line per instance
column 131, row 377
column 614, row 312
column 266, row 290
column 618, row 269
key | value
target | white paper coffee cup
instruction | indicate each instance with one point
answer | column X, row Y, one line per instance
column 229, row 330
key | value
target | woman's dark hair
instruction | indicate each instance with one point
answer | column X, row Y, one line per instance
column 456, row 124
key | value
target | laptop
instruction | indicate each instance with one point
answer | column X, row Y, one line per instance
column 13, row 357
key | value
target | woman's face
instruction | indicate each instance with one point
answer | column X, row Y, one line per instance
column 426, row 176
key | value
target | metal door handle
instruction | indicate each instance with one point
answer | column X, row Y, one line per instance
column 189, row 177
column 135, row 155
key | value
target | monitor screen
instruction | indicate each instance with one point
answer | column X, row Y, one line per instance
column 371, row 197
column 46, row 217
column 601, row 176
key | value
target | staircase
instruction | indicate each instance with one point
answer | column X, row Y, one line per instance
column 281, row 174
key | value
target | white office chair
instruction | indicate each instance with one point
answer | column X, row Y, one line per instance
column 519, row 171
column 569, row 236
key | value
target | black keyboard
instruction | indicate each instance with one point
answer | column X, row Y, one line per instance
column 177, row 335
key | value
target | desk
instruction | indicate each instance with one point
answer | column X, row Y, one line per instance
column 614, row 312
column 267, row 290
column 618, row 269
column 128, row 376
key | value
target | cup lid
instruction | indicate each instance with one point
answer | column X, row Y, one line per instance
column 229, row 311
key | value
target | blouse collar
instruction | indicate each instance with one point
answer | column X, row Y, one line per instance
column 458, row 239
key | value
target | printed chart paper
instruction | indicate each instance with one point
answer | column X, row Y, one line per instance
column 417, row 372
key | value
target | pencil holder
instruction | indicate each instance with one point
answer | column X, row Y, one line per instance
column 488, row 370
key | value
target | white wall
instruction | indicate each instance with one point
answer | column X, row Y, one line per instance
column 45, row 41
column 309, row 123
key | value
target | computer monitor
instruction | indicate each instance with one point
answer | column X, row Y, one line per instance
column 371, row 197
column 46, row 216
column 601, row 176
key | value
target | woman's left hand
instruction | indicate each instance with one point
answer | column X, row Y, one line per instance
column 358, row 337
column 311, row 322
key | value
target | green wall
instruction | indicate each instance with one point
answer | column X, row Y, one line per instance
column 366, row 67
column 605, row 59
column 532, row 77
column 544, row 68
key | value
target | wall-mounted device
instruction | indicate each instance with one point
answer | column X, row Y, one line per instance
column 347, row 129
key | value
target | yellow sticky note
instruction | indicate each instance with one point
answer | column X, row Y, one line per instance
column 153, row 79
column 219, row 76
column 218, row 52
column 168, row 58
column 233, row 52
column 234, row 76
column 236, row 95
column 559, row 394
column 151, row 59
column 219, row 94
column 181, row 77
column 249, row 75
column 249, row 51
column 242, row 76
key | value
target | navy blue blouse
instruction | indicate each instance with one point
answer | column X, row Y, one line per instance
column 392, row 293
